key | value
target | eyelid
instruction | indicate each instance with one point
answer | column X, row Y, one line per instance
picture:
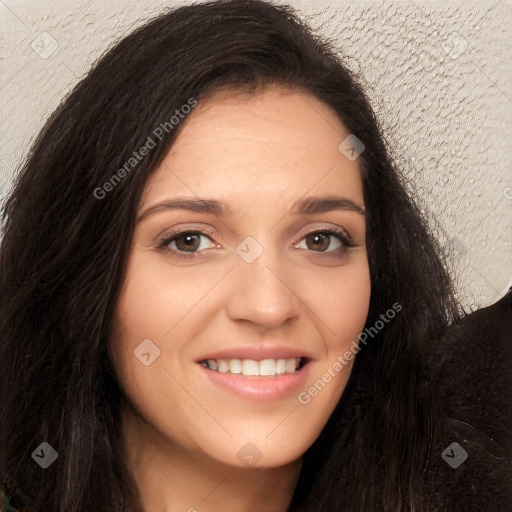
column 168, row 237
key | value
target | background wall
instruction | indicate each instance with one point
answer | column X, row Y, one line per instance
column 438, row 75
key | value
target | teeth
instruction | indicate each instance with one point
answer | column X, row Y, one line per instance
column 268, row 367
column 252, row 368
column 235, row 366
column 222, row 366
column 289, row 365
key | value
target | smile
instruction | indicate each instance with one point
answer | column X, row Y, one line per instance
column 257, row 380
column 255, row 368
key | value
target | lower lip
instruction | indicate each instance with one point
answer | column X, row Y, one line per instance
column 260, row 389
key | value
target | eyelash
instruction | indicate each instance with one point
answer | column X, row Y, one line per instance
column 163, row 244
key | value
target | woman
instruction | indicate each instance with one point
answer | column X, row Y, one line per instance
column 281, row 366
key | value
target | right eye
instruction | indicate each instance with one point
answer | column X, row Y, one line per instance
column 184, row 244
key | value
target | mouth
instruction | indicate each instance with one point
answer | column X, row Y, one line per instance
column 257, row 380
column 254, row 368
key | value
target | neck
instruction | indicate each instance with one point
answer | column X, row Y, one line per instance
column 172, row 479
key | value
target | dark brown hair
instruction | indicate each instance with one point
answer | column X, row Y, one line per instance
column 64, row 252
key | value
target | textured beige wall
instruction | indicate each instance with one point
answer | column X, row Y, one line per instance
column 438, row 74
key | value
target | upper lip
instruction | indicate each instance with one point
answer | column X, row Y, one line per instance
column 257, row 352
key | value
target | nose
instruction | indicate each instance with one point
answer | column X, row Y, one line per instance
column 263, row 292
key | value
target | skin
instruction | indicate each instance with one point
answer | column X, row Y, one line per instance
column 259, row 154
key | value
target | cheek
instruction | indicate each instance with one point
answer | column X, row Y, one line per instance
column 154, row 299
column 152, row 303
column 141, row 314
column 146, row 310
column 342, row 304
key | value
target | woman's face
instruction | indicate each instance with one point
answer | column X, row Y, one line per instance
column 246, row 280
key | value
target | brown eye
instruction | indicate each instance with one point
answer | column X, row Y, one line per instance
column 318, row 242
column 321, row 241
column 190, row 243
column 185, row 244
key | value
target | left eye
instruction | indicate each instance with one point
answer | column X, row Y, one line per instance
column 319, row 241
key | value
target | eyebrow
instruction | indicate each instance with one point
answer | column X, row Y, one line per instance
column 310, row 205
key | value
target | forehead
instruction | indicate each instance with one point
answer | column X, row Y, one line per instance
column 277, row 142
